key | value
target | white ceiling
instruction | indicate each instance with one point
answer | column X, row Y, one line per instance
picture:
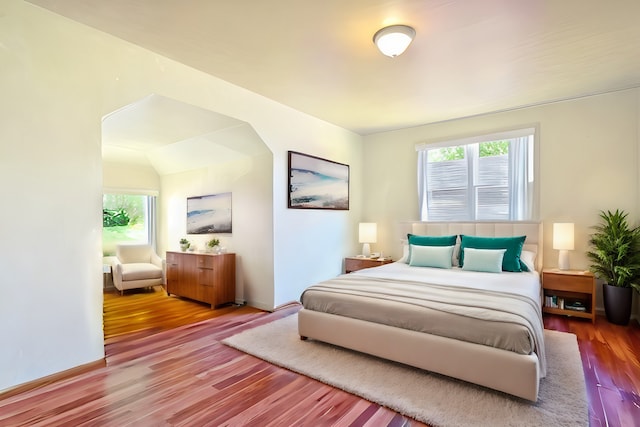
column 469, row 57
column 172, row 136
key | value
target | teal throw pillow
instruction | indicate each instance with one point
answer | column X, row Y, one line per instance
column 485, row 260
column 431, row 256
column 513, row 246
column 417, row 240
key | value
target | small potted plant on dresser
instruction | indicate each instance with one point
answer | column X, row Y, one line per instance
column 615, row 258
column 213, row 245
column 184, row 244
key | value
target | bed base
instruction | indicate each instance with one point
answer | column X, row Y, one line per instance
column 502, row 370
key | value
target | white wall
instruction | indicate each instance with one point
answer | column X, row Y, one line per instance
column 58, row 79
column 588, row 162
column 50, row 190
column 310, row 245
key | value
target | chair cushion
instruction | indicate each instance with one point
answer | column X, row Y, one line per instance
column 140, row 271
column 133, row 253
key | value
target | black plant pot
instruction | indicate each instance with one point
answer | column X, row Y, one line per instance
column 617, row 304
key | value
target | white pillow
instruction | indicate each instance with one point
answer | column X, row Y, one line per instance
column 456, row 254
column 431, row 256
column 405, row 254
column 529, row 259
column 485, row 260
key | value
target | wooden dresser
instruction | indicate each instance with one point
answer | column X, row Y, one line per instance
column 209, row 278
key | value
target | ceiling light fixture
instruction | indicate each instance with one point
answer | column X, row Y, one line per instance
column 394, row 40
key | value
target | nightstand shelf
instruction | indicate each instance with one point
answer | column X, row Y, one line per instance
column 352, row 264
column 562, row 288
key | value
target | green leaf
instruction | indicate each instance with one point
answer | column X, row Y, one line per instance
column 615, row 254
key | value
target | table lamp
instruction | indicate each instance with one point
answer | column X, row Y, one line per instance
column 368, row 233
column 563, row 241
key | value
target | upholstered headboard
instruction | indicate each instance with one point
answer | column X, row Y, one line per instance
column 533, row 231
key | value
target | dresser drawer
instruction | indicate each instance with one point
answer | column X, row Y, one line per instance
column 172, row 258
column 204, row 261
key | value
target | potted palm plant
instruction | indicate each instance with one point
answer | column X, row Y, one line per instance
column 615, row 259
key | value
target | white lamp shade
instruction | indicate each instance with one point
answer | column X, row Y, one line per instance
column 368, row 232
column 563, row 236
column 394, row 40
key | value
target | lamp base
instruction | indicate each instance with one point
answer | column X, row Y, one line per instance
column 366, row 250
column 563, row 260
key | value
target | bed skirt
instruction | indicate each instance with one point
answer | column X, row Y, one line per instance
column 502, row 370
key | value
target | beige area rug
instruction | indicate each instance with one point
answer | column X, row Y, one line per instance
column 424, row 396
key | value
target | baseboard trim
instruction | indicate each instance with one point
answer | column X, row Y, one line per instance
column 59, row 376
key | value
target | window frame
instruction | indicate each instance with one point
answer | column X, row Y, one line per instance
column 151, row 211
column 533, row 174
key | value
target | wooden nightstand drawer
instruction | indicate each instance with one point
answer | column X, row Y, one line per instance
column 352, row 264
column 572, row 283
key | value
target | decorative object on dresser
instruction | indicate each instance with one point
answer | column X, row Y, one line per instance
column 213, row 246
column 316, row 183
column 209, row 278
column 137, row 266
column 569, row 292
column 352, row 264
column 615, row 259
column 367, row 234
column 184, row 244
column 563, row 242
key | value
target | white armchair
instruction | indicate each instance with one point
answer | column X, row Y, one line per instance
column 137, row 266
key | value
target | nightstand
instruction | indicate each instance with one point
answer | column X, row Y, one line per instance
column 569, row 292
column 358, row 263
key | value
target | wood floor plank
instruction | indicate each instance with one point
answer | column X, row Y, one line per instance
column 280, row 404
column 166, row 366
column 611, row 363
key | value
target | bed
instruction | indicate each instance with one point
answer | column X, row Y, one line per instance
column 483, row 327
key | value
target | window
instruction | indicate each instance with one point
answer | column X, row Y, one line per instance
column 486, row 178
column 127, row 218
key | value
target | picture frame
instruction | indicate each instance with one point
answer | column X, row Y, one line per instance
column 209, row 214
column 317, row 183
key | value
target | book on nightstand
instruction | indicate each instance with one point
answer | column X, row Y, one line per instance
column 554, row 302
column 575, row 306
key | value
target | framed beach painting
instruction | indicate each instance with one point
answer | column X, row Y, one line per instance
column 316, row 183
column 209, row 214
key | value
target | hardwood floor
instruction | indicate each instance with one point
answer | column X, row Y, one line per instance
column 163, row 369
column 148, row 311
column 611, row 363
